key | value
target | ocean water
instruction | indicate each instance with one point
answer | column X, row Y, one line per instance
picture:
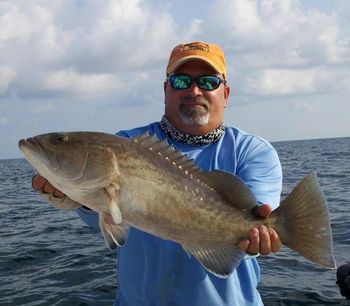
column 49, row 257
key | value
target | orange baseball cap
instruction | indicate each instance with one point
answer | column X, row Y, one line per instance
column 209, row 53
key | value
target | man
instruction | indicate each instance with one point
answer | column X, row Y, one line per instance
column 343, row 280
column 156, row 272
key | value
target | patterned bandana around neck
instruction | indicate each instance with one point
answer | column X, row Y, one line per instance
column 183, row 137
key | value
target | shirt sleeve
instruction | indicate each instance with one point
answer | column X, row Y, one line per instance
column 90, row 217
column 260, row 168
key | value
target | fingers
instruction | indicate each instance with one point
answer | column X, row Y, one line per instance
column 261, row 240
column 254, row 243
column 251, row 245
column 263, row 210
column 40, row 183
column 58, row 194
column 52, row 195
column 59, row 202
column 48, row 188
column 276, row 243
column 244, row 245
column 265, row 241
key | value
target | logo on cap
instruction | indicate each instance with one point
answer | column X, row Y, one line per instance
column 196, row 46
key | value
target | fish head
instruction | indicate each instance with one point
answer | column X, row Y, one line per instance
column 71, row 159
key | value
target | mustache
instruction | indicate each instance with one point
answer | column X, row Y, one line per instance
column 194, row 100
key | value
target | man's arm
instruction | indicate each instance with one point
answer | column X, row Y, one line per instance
column 260, row 169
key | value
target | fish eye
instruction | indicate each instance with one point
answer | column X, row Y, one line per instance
column 61, row 138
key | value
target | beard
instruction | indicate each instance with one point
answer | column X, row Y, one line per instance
column 194, row 110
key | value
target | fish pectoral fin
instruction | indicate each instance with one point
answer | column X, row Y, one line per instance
column 112, row 192
column 114, row 234
column 219, row 259
column 115, row 212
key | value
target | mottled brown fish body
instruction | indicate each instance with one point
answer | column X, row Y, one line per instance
column 171, row 197
column 142, row 182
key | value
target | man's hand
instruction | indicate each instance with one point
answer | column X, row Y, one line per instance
column 39, row 183
column 261, row 240
column 52, row 195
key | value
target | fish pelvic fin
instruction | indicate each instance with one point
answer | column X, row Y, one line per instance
column 303, row 222
column 219, row 259
column 114, row 234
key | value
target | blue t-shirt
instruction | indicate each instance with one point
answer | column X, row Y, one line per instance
column 156, row 272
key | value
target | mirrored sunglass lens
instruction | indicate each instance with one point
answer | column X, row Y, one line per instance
column 180, row 81
column 208, row 82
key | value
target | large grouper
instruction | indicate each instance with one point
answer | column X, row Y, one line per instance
column 144, row 183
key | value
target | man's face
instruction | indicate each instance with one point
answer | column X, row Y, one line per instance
column 194, row 110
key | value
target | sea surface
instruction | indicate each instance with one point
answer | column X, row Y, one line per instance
column 49, row 257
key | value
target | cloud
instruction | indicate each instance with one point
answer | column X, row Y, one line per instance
column 43, row 108
column 7, row 75
column 101, row 64
column 94, row 49
column 276, row 82
column 3, row 120
column 302, row 107
column 69, row 48
column 281, row 48
column 80, row 85
column 280, row 27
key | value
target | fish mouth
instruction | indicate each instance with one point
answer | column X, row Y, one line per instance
column 32, row 149
column 39, row 157
column 30, row 144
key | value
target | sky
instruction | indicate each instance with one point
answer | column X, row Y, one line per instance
column 99, row 65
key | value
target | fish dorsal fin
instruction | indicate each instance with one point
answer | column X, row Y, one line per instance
column 167, row 152
column 219, row 259
column 231, row 188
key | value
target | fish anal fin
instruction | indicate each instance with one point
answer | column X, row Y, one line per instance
column 219, row 259
column 114, row 234
column 231, row 188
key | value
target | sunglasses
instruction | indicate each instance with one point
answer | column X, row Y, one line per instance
column 205, row 82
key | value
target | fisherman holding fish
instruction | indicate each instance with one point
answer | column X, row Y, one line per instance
column 177, row 247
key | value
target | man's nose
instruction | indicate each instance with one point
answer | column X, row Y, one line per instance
column 195, row 90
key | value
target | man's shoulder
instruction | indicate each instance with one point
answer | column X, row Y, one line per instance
column 151, row 128
column 244, row 139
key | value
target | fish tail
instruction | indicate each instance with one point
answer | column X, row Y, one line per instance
column 303, row 222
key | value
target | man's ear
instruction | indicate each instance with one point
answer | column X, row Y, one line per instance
column 226, row 94
column 164, row 87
